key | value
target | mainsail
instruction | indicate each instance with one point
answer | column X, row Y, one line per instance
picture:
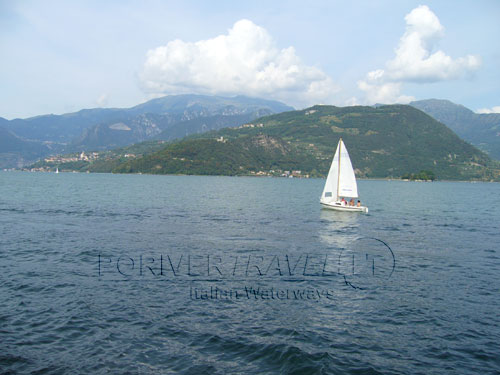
column 341, row 181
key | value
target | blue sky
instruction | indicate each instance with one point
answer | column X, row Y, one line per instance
column 62, row 56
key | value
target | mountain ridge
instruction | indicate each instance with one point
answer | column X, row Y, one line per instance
column 99, row 129
column 481, row 130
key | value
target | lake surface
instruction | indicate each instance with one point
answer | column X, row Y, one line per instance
column 138, row 274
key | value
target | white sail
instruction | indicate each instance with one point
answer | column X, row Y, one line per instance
column 347, row 184
column 341, row 181
column 331, row 185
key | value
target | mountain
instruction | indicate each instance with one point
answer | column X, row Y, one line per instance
column 139, row 128
column 122, row 132
column 389, row 141
column 215, row 122
column 16, row 152
column 237, row 156
column 107, row 128
column 61, row 128
column 482, row 130
column 192, row 106
column 176, row 108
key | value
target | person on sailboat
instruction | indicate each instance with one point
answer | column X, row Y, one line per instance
column 351, row 202
column 359, row 203
column 343, row 202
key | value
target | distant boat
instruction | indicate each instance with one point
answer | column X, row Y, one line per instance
column 341, row 183
column 57, row 170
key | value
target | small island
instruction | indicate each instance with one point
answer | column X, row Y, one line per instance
column 420, row 176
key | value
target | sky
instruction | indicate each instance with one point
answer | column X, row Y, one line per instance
column 62, row 56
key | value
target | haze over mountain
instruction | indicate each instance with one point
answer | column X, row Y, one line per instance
column 168, row 117
column 482, row 130
column 15, row 151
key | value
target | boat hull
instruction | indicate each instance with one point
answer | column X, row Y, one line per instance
column 339, row 207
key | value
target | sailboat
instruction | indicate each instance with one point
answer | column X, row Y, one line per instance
column 57, row 170
column 341, row 183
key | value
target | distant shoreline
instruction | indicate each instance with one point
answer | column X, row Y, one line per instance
column 252, row 176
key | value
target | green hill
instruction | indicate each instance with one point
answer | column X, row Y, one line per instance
column 389, row 141
column 238, row 156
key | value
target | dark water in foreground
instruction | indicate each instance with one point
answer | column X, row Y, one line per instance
column 158, row 274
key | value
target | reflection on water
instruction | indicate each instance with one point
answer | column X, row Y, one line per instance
column 362, row 260
column 339, row 229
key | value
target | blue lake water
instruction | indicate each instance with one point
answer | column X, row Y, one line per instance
column 138, row 274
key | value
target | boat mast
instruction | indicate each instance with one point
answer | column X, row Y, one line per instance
column 338, row 169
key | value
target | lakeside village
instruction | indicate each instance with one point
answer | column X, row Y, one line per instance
column 56, row 160
column 68, row 159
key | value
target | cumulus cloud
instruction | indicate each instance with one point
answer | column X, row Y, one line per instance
column 243, row 61
column 415, row 60
column 495, row 109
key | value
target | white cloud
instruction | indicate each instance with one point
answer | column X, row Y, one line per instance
column 415, row 60
column 102, row 100
column 495, row 109
column 243, row 61
column 384, row 93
